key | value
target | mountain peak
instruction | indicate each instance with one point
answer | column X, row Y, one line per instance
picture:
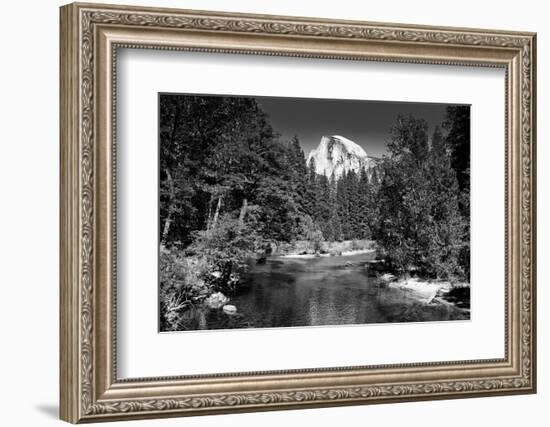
column 348, row 144
column 337, row 155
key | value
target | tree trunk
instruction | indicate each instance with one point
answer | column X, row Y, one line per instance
column 228, row 269
column 217, row 213
column 171, row 188
column 243, row 212
column 171, row 208
column 209, row 219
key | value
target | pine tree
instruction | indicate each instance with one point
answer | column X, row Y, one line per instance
column 449, row 228
column 311, row 191
column 354, row 198
column 298, row 174
column 342, row 207
column 334, row 220
column 322, row 216
column 365, row 206
column 421, row 228
column 457, row 125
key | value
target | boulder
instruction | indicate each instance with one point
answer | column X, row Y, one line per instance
column 216, row 300
column 388, row 277
column 229, row 309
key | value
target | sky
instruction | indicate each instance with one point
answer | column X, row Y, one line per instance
column 367, row 123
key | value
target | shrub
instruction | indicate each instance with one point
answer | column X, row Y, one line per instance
column 226, row 248
column 183, row 283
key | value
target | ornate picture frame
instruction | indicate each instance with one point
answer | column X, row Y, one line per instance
column 90, row 37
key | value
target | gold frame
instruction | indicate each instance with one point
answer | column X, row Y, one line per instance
column 90, row 35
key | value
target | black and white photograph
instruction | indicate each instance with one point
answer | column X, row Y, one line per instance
column 297, row 212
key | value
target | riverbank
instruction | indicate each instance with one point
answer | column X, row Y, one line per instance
column 434, row 292
column 345, row 285
column 307, row 249
column 285, row 292
column 345, row 253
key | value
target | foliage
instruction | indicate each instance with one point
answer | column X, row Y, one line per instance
column 278, row 213
column 457, row 125
column 226, row 249
column 312, row 233
column 219, row 153
column 230, row 187
column 421, row 228
column 183, row 283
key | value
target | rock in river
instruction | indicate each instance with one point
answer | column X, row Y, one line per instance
column 388, row 277
column 229, row 309
column 216, row 300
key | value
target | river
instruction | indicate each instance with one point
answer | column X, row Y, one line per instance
column 319, row 291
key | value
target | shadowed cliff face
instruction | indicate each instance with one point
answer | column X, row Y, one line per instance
column 338, row 155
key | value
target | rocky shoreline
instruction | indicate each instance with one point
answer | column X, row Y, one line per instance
column 431, row 292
